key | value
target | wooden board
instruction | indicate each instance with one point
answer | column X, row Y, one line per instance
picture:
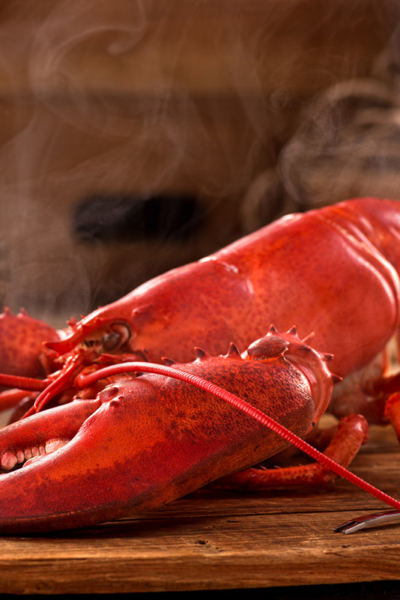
column 221, row 541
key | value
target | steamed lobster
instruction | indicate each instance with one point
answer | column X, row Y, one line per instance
column 119, row 443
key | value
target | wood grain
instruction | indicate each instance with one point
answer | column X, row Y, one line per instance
column 220, row 541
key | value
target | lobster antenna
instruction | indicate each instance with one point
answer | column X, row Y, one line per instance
column 55, row 386
column 87, row 380
column 24, row 383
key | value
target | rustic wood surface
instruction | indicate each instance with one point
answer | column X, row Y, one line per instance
column 221, row 541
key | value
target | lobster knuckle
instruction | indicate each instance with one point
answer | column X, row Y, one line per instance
column 267, row 348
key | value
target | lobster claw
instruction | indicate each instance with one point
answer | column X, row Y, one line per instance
column 30, row 495
column 92, row 461
column 148, row 440
column 82, row 467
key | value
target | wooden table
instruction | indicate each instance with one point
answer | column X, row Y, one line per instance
column 222, row 541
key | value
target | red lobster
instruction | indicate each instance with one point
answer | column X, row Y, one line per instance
column 143, row 441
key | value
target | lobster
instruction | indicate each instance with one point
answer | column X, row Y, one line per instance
column 113, row 443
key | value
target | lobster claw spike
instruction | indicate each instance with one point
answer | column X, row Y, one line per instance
column 201, row 354
column 168, row 361
column 233, row 351
column 21, row 344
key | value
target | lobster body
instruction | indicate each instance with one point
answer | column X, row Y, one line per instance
column 334, row 272
column 143, row 442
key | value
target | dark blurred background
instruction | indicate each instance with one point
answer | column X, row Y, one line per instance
column 136, row 136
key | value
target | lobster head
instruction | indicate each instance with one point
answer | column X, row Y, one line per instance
column 135, row 327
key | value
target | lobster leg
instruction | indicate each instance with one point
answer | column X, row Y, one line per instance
column 11, row 398
column 392, row 412
column 351, row 434
column 377, row 399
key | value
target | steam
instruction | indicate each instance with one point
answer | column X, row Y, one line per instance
column 226, row 101
column 344, row 146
